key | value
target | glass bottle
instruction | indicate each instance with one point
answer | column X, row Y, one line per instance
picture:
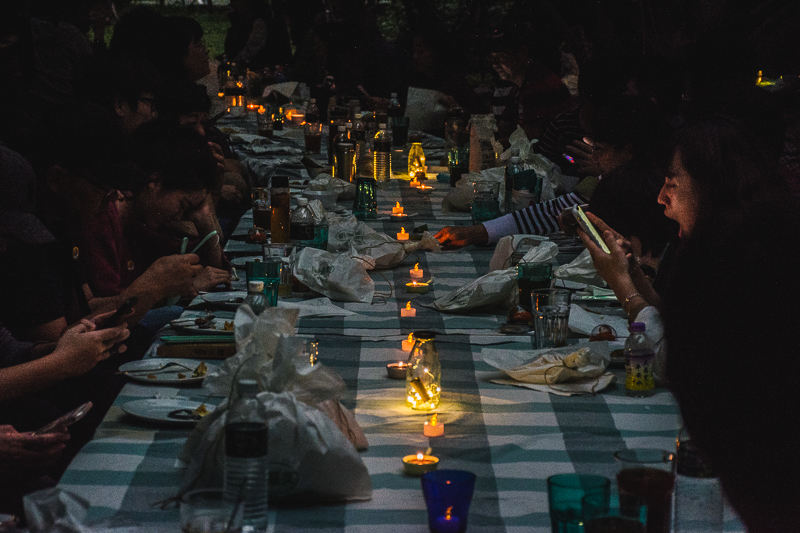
column 359, row 133
column 382, row 155
column 513, row 168
column 246, row 467
column 365, row 204
column 416, row 159
column 279, row 200
column 395, row 109
column 256, row 298
column 302, row 225
column 424, row 374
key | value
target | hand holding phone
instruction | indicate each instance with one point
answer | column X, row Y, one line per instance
column 588, row 228
column 118, row 316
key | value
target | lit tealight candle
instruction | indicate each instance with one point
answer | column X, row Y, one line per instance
column 220, row 95
column 397, row 209
column 402, row 236
column 424, row 189
column 408, row 311
column 408, row 343
column 397, row 370
column 415, row 182
column 416, row 272
column 416, row 465
column 418, row 288
column 433, row 428
column 447, row 523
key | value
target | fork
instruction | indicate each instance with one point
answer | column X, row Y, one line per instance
column 156, row 370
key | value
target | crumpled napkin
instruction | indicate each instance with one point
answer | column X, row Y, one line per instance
column 495, row 287
column 509, row 244
column 582, row 321
column 580, row 270
column 318, row 307
column 56, row 510
column 337, row 276
column 563, row 371
column 325, row 182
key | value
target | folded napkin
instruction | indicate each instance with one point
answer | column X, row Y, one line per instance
column 563, row 371
column 582, row 321
column 318, row 307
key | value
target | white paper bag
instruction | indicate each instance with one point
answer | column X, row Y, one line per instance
column 337, row 276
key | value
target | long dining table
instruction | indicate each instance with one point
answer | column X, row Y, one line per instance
column 512, row 438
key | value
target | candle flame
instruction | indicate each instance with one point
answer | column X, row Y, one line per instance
column 416, row 267
column 419, row 457
column 434, row 420
column 239, row 84
column 414, row 283
column 408, row 305
column 398, row 204
column 220, row 95
column 410, row 337
column 448, row 512
column 402, row 230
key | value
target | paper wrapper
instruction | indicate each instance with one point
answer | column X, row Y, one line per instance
column 495, row 288
column 501, row 259
column 580, row 270
column 325, row 182
column 376, row 250
column 340, row 277
column 460, row 198
column 583, row 322
column 563, row 371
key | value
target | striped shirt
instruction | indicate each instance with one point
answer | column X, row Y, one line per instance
column 539, row 219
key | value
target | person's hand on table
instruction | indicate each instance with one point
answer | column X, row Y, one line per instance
column 83, row 346
column 28, row 453
column 210, row 278
column 612, row 267
column 451, row 237
column 172, row 275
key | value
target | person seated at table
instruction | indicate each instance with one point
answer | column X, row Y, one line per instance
column 188, row 105
column 129, row 88
column 133, row 234
column 532, row 94
column 626, row 127
column 82, row 165
column 736, row 219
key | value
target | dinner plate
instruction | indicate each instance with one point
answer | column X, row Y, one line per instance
column 137, row 370
column 225, row 299
column 162, row 410
column 215, row 327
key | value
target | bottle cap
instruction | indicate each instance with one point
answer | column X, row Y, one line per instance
column 424, row 335
column 255, row 286
column 302, row 202
column 247, row 387
column 280, row 182
column 637, row 327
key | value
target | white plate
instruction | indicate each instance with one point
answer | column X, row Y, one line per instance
column 158, row 410
column 215, row 327
column 240, row 261
column 166, row 377
column 229, row 298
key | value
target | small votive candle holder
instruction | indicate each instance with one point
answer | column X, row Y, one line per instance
column 416, row 287
column 408, row 344
column 424, row 189
column 432, row 427
column 416, row 272
column 397, row 370
column 416, row 465
column 399, row 217
column 408, row 311
column 402, row 236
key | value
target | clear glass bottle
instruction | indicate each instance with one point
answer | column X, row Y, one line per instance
column 382, row 155
column 302, row 225
column 256, row 298
column 246, row 470
column 698, row 494
column 424, row 374
column 639, row 362
column 359, row 133
column 279, row 201
column 416, row 159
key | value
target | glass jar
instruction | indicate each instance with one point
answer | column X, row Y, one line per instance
column 424, row 374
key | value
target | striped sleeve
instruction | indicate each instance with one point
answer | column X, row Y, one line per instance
column 539, row 219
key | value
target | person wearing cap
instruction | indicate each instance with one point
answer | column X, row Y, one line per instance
column 83, row 165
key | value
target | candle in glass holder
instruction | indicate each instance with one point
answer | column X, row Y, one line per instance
column 408, row 311
column 397, row 209
column 417, row 287
column 408, row 343
column 416, row 272
column 416, row 465
column 402, row 236
column 397, row 370
column 433, row 428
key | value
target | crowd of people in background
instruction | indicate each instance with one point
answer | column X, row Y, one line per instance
column 109, row 159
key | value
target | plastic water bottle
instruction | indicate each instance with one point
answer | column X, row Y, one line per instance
column 395, row 109
column 246, row 461
column 382, row 155
column 698, row 495
column 301, row 228
column 639, row 362
column 256, row 298
column 513, row 168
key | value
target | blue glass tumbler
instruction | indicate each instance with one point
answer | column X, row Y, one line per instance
column 448, row 495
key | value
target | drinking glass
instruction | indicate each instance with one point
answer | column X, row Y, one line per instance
column 601, row 515
column 262, row 214
column 532, row 277
column 264, row 122
column 208, row 511
column 565, row 494
column 486, row 204
column 313, row 138
column 366, row 201
column 550, row 309
column 448, row 495
column 646, row 476
column 399, row 131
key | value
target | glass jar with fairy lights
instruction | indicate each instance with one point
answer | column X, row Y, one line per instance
column 424, row 374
